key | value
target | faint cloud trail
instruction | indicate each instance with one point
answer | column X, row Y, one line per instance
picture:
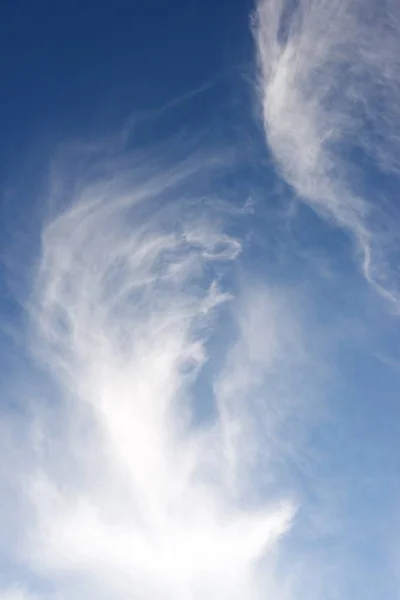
column 330, row 90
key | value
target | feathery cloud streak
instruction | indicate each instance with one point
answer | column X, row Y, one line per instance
column 330, row 89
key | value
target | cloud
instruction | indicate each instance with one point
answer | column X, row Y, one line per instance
column 329, row 88
column 118, row 488
column 160, row 452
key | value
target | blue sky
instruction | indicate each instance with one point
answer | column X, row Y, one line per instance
column 199, row 300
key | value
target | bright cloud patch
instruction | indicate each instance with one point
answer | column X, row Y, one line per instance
column 126, row 491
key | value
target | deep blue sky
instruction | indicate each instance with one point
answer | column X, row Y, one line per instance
column 65, row 65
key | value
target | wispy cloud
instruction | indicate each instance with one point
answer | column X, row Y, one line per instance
column 122, row 490
column 160, row 454
column 329, row 87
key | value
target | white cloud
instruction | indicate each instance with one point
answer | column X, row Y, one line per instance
column 329, row 88
column 120, row 491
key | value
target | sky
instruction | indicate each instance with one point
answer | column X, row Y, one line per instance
column 199, row 300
